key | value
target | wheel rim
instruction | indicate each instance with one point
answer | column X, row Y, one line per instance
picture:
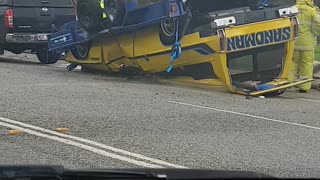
column 82, row 50
column 168, row 27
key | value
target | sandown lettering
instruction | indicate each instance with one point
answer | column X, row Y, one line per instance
column 258, row 39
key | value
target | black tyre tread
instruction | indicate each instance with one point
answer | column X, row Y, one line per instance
column 46, row 57
column 169, row 40
column 121, row 12
column 17, row 50
column 95, row 25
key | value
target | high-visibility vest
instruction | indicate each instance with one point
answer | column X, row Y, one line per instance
column 104, row 15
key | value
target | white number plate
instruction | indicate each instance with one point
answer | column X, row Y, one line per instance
column 42, row 37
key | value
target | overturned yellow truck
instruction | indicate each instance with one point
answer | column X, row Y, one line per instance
column 244, row 46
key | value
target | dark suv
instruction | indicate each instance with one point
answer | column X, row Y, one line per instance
column 25, row 25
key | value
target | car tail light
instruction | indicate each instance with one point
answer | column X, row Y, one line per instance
column 295, row 24
column 8, row 18
column 222, row 39
column 174, row 8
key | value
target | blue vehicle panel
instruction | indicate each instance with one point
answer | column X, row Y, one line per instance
column 72, row 33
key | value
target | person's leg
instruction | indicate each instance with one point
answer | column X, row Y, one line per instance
column 306, row 68
column 293, row 70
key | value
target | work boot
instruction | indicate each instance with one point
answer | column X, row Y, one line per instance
column 302, row 91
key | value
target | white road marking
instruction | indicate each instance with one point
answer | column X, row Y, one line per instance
column 83, row 146
column 113, row 149
column 247, row 115
column 303, row 99
column 309, row 100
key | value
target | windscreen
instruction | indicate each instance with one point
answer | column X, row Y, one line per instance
column 261, row 64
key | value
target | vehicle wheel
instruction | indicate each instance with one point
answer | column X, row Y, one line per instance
column 116, row 10
column 17, row 50
column 46, row 57
column 81, row 51
column 168, row 31
column 90, row 14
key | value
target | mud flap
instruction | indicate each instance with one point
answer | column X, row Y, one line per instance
column 274, row 88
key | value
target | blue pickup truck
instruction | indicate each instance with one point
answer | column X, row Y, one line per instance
column 111, row 17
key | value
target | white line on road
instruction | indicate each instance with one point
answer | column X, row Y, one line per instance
column 303, row 99
column 83, row 146
column 113, row 149
column 309, row 100
column 247, row 115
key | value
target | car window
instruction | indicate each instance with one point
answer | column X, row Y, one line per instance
column 4, row 2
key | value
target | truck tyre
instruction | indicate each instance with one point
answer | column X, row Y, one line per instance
column 81, row 51
column 168, row 30
column 117, row 9
column 46, row 57
column 90, row 14
column 15, row 48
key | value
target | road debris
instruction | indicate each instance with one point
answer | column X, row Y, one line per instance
column 62, row 130
column 14, row 132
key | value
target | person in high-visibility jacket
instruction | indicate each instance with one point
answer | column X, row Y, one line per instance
column 131, row 5
column 309, row 28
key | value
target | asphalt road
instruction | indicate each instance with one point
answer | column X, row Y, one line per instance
column 117, row 123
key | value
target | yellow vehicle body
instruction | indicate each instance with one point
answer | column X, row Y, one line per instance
column 143, row 50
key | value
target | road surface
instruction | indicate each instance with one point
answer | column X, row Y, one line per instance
column 116, row 122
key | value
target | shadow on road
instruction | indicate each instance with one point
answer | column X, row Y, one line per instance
column 18, row 61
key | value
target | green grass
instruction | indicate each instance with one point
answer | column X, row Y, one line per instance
column 317, row 53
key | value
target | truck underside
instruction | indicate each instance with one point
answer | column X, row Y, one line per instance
column 244, row 67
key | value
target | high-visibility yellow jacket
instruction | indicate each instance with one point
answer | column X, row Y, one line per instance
column 104, row 15
column 309, row 29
